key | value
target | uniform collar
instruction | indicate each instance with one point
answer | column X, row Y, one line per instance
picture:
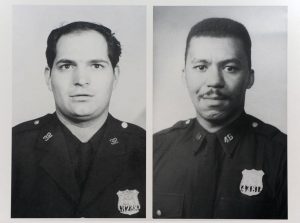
column 111, row 132
column 228, row 136
column 199, row 135
column 73, row 142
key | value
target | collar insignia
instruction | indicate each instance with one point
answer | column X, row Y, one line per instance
column 251, row 183
column 47, row 136
column 113, row 141
column 128, row 202
column 228, row 138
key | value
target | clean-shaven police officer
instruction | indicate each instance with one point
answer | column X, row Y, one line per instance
column 79, row 161
column 224, row 163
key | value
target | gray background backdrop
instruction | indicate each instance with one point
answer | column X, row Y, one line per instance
column 267, row 99
column 31, row 27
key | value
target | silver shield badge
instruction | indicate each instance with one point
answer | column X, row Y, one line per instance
column 128, row 202
column 251, row 183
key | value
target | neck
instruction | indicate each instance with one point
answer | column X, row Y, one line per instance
column 83, row 130
column 215, row 126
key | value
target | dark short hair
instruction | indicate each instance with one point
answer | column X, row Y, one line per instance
column 113, row 45
column 221, row 27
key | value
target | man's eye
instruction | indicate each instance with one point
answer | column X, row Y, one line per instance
column 97, row 66
column 201, row 68
column 231, row 69
column 65, row 66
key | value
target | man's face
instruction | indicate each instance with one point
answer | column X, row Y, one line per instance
column 82, row 77
column 217, row 76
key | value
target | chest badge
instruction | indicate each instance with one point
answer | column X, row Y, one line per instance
column 128, row 202
column 251, row 183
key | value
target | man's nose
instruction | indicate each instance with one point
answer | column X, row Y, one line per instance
column 215, row 78
column 81, row 76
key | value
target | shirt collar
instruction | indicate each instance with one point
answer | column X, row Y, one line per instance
column 199, row 134
column 74, row 142
column 228, row 136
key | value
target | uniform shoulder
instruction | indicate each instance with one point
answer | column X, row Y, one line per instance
column 127, row 127
column 132, row 137
column 180, row 125
column 133, row 129
column 267, row 130
column 32, row 125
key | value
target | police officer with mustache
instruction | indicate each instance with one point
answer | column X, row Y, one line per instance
column 224, row 163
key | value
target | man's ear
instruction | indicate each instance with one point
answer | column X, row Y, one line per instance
column 116, row 76
column 250, row 79
column 47, row 75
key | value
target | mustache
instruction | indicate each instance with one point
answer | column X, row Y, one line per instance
column 213, row 94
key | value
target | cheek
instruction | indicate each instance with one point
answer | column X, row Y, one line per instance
column 103, row 91
column 103, row 85
column 59, row 87
column 237, row 86
column 194, row 83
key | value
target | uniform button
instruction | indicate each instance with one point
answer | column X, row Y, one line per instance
column 36, row 122
column 158, row 212
column 187, row 122
column 254, row 124
column 124, row 125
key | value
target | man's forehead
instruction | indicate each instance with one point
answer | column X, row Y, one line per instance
column 82, row 43
column 215, row 40
column 81, row 35
column 219, row 46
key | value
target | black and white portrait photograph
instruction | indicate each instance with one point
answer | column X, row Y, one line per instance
column 220, row 112
column 78, row 141
column 126, row 111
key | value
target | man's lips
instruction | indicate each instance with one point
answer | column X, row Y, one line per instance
column 213, row 101
column 81, row 97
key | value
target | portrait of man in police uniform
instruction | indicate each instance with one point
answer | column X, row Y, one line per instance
column 224, row 163
column 79, row 161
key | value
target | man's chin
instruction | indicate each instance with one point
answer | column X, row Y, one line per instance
column 219, row 116
column 81, row 117
column 85, row 116
column 214, row 116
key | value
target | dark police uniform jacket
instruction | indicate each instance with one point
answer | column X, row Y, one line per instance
column 238, row 172
column 44, row 183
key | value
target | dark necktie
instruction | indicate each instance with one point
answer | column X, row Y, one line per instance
column 207, row 179
column 85, row 155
